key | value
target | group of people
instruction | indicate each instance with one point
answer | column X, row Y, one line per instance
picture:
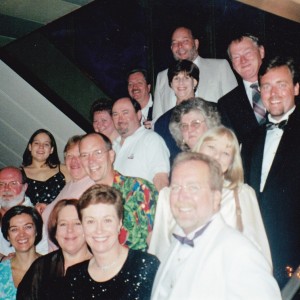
column 188, row 194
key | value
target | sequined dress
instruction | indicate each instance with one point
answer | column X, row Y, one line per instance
column 134, row 281
column 45, row 191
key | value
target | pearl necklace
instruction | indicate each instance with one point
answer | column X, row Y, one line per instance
column 104, row 268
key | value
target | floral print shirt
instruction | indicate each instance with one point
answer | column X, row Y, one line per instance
column 140, row 198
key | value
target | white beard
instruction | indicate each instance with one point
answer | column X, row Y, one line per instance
column 9, row 203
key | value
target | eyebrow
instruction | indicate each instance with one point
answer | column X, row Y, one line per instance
column 30, row 223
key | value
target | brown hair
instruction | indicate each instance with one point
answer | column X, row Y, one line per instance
column 101, row 193
column 52, row 222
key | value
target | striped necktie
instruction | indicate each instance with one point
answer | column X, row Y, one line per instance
column 258, row 106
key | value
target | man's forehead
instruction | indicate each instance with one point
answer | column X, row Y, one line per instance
column 136, row 76
column 10, row 174
column 182, row 33
column 122, row 104
column 90, row 141
column 194, row 167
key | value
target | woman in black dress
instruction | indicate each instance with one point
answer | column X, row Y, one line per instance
column 44, row 279
column 115, row 272
column 46, row 176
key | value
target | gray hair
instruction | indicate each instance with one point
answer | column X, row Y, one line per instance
column 206, row 108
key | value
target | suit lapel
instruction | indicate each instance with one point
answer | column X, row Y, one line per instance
column 257, row 159
column 283, row 150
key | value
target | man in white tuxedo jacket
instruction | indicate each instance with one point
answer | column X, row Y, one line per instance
column 216, row 76
column 208, row 259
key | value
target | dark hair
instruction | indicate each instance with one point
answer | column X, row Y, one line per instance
column 186, row 27
column 102, row 104
column 238, row 38
column 143, row 71
column 52, row 222
column 277, row 62
column 18, row 210
column 22, row 173
column 101, row 193
column 185, row 66
column 52, row 161
column 107, row 141
column 136, row 105
column 73, row 140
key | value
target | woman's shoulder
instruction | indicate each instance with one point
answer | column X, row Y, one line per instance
column 77, row 269
column 245, row 189
column 63, row 169
column 138, row 257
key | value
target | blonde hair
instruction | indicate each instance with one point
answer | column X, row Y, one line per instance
column 235, row 172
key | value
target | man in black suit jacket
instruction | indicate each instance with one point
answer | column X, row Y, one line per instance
column 236, row 107
column 272, row 164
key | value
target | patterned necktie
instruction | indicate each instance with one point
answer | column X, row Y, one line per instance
column 190, row 242
column 280, row 125
column 258, row 106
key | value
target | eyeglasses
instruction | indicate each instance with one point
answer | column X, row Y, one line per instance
column 191, row 188
column 11, row 184
column 195, row 124
column 97, row 154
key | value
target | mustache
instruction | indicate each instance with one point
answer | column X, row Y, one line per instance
column 9, row 203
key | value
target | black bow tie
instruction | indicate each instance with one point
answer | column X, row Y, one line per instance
column 280, row 125
column 190, row 242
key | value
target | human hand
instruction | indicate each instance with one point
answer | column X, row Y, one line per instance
column 148, row 124
column 40, row 207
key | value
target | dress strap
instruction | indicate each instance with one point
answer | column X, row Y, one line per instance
column 238, row 211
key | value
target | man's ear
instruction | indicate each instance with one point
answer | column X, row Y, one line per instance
column 296, row 89
column 217, row 196
column 197, row 43
column 261, row 50
column 149, row 88
column 25, row 186
column 112, row 155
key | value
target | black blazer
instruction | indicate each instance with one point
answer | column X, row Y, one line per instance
column 237, row 113
column 280, row 200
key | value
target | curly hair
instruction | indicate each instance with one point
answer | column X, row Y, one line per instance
column 207, row 109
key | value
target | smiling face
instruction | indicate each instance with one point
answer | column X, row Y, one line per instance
column 246, row 58
column 125, row 118
column 278, row 91
column 11, row 186
column 73, row 162
column 192, row 127
column 98, row 167
column 183, row 45
column 69, row 231
column 40, row 147
column 103, row 123
column 220, row 149
column 193, row 203
column 183, row 85
column 138, row 88
column 101, row 227
column 22, row 232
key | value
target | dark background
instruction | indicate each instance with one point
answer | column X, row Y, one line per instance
column 108, row 38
